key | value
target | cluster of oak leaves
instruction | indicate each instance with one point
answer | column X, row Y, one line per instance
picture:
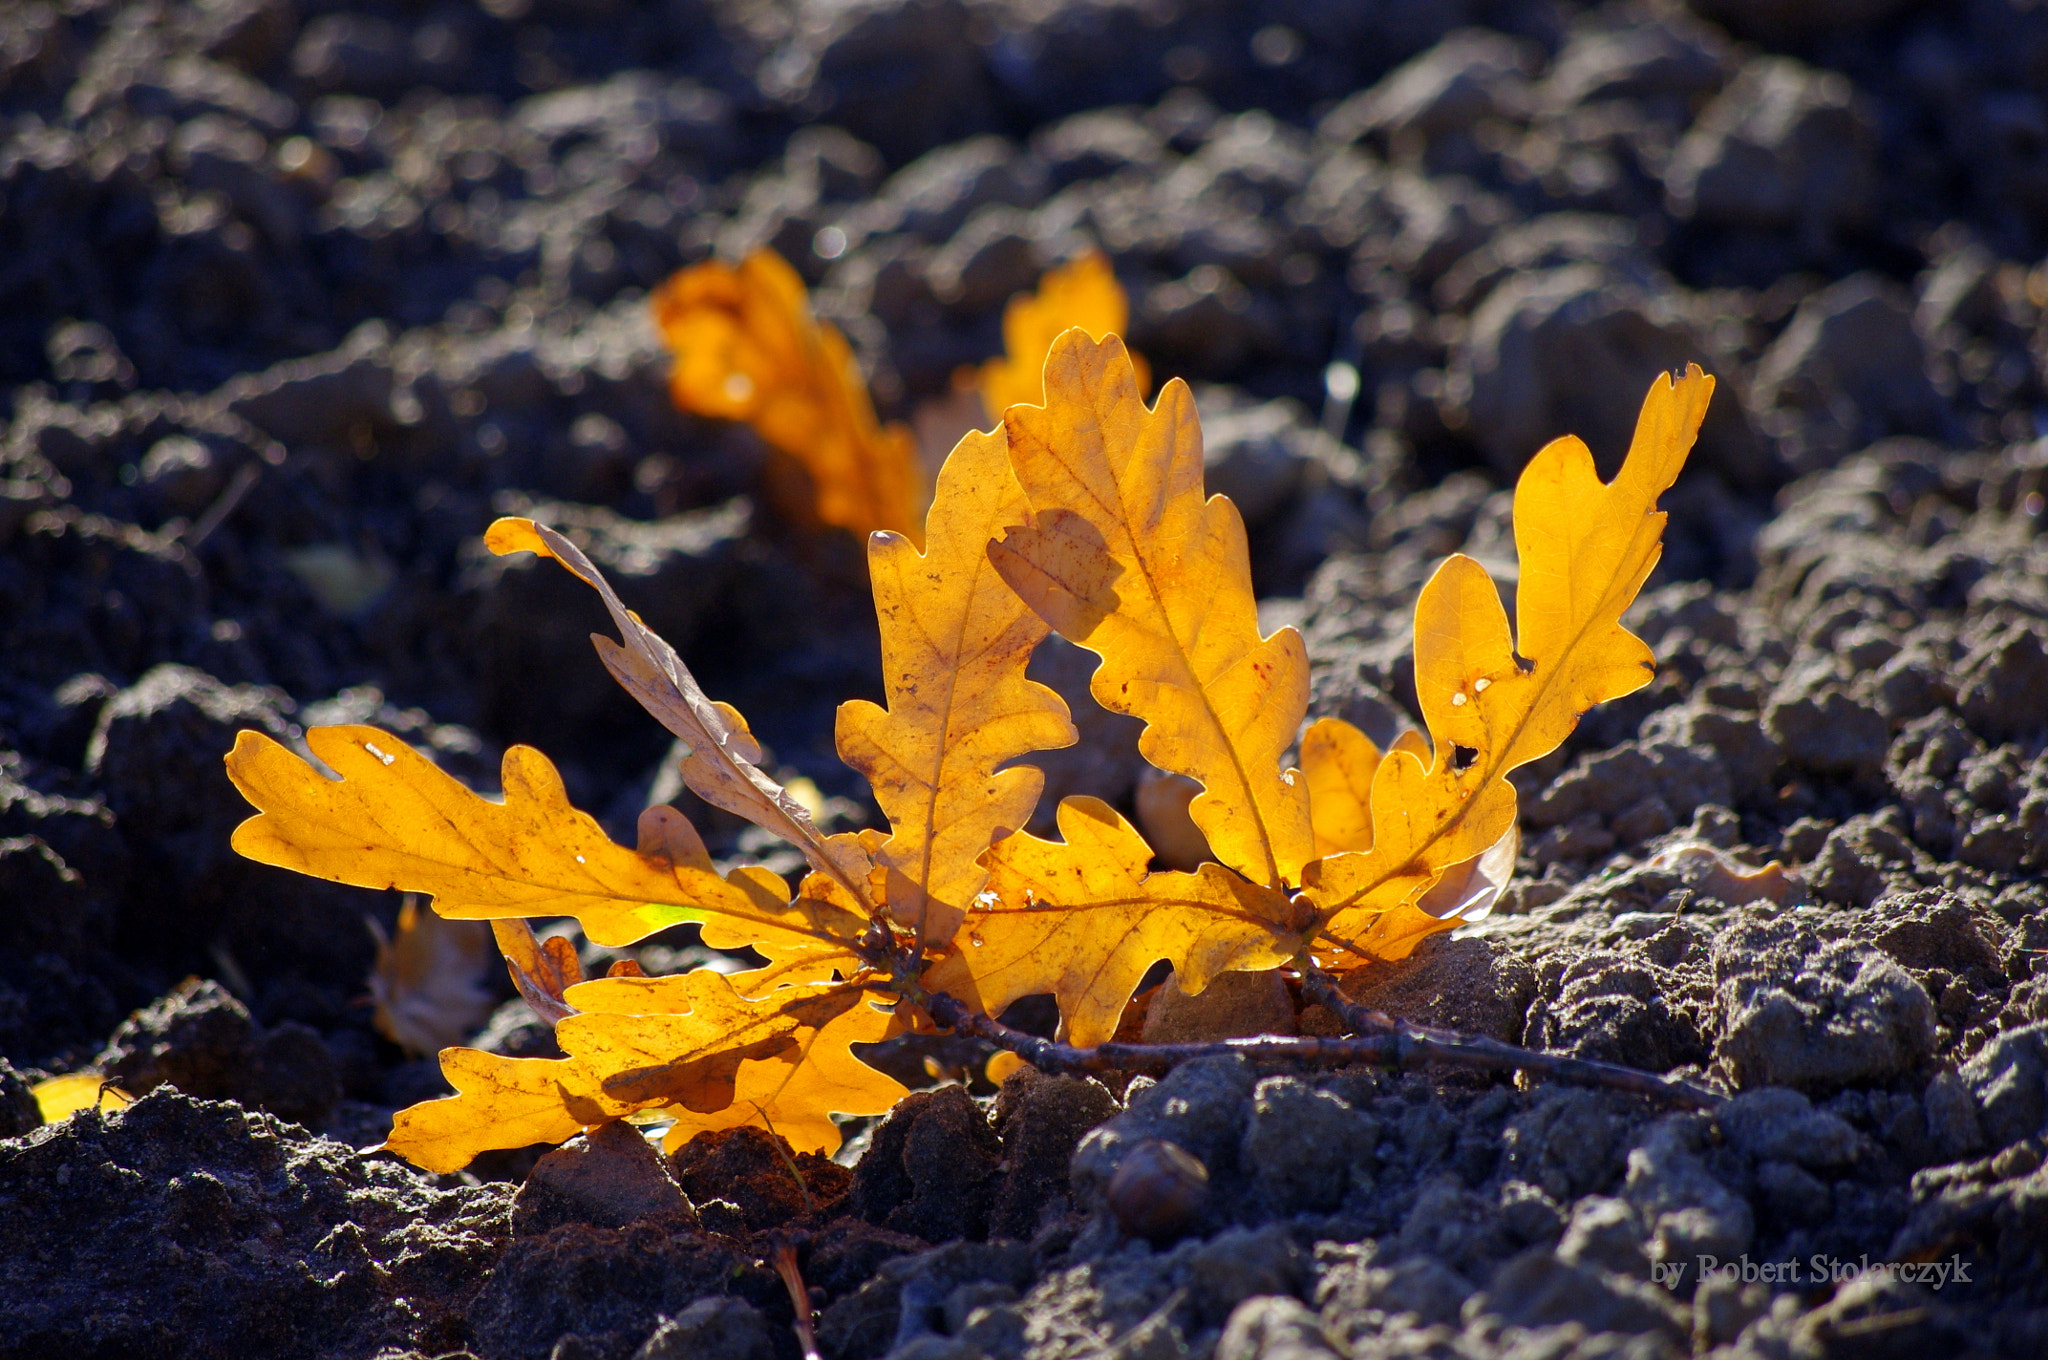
column 1081, row 512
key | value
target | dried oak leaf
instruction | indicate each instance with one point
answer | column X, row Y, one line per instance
column 1492, row 703
column 1123, row 556
column 395, row 820
column 747, row 348
column 955, row 641
column 721, row 758
column 542, row 970
column 1084, row 293
column 428, row 980
column 1083, row 920
column 689, row 1047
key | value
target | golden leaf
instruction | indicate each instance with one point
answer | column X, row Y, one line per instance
column 1123, row 556
column 499, row 1103
column 1084, row 293
column 747, row 348
column 58, row 1098
column 1492, row 703
column 955, row 641
column 395, row 820
column 1082, row 919
column 1338, row 762
column 690, row 1047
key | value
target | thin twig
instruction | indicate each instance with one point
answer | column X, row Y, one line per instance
column 1477, row 1050
column 1399, row 1046
column 784, row 1260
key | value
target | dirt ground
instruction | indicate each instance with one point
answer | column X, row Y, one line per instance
column 297, row 295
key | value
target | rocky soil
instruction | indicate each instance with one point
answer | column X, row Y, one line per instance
column 295, row 297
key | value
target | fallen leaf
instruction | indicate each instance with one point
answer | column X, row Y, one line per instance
column 58, row 1098
column 428, row 980
column 747, row 348
column 541, row 970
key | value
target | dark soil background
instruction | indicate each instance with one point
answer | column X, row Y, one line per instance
column 295, row 297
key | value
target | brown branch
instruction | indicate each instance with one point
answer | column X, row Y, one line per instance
column 1480, row 1051
column 1392, row 1044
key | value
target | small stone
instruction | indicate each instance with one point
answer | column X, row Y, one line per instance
column 1306, row 1148
column 1242, row 1263
column 1273, row 1328
column 1158, row 1191
column 711, row 1329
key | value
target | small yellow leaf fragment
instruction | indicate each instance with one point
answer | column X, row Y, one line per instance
column 1001, row 1064
column 747, row 348
column 58, row 1098
column 1084, row 293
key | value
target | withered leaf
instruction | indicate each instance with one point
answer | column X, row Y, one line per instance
column 428, row 980
column 719, row 764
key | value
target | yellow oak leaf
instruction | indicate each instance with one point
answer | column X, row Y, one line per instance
column 1123, row 556
column 797, row 1095
column 747, row 348
column 1083, row 292
column 955, row 641
column 1083, row 920
column 499, row 1103
column 1491, row 702
column 395, row 820
column 689, row 1047
column 1338, row 762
